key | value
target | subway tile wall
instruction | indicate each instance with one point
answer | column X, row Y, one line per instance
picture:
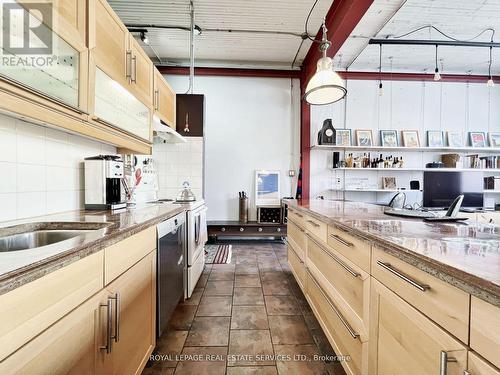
column 41, row 169
column 179, row 162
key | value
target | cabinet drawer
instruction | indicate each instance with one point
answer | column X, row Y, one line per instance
column 124, row 254
column 354, row 249
column 345, row 281
column 341, row 335
column 316, row 228
column 443, row 303
column 478, row 366
column 31, row 308
column 297, row 267
column 485, row 330
column 297, row 237
column 297, row 217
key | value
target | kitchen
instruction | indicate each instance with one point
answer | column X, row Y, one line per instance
column 225, row 187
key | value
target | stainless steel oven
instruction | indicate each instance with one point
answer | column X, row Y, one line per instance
column 171, row 268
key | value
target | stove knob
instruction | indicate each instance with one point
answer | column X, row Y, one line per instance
column 260, row 229
column 278, row 230
column 241, row 229
column 223, row 229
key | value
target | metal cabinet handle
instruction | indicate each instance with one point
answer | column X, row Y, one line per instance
column 401, row 275
column 116, row 298
column 313, row 223
column 344, row 322
column 133, row 77
column 443, row 362
column 156, row 100
column 336, row 259
column 467, row 372
column 128, row 64
column 109, row 321
column 341, row 240
column 299, row 215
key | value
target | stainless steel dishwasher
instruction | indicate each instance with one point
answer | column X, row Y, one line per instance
column 170, row 268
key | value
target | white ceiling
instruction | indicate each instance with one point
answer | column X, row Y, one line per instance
column 461, row 19
column 215, row 48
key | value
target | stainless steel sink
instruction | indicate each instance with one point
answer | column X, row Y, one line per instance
column 34, row 235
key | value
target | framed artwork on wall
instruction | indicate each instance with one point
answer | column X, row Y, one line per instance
column 435, row 138
column 388, row 138
column 455, row 139
column 389, row 183
column 494, row 139
column 410, row 138
column 364, row 137
column 343, row 137
column 477, row 139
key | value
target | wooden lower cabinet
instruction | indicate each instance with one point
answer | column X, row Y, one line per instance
column 297, row 267
column 70, row 346
column 478, row 366
column 485, row 330
column 404, row 341
column 133, row 321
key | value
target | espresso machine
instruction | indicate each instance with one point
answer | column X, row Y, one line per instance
column 103, row 183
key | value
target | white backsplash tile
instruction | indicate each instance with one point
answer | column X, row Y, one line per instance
column 42, row 169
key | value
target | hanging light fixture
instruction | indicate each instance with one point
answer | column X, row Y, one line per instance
column 437, row 76
column 380, row 86
column 326, row 86
column 490, row 82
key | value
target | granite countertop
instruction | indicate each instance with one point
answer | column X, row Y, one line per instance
column 20, row 267
column 466, row 255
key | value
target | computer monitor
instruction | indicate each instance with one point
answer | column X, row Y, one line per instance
column 441, row 188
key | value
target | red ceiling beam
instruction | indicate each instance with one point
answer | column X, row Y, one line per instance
column 340, row 21
column 415, row 77
column 231, row 72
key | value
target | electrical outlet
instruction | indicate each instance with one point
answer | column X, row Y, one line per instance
column 291, row 173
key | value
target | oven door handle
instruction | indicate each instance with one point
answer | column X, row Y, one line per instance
column 197, row 223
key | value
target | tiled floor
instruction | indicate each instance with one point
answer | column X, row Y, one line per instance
column 247, row 317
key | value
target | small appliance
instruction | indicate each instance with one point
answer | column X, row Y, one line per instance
column 103, row 182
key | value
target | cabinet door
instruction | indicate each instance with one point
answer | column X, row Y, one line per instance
column 404, row 341
column 108, row 39
column 141, row 76
column 478, row 366
column 164, row 100
column 70, row 346
column 134, row 319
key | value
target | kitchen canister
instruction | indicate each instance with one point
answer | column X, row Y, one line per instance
column 243, row 209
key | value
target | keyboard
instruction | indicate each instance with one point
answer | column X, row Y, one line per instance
column 409, row 213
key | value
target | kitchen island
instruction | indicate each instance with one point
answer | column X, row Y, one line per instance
column 399, row 295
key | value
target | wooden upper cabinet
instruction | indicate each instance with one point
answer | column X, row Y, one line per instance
column 164, row 99
column 71, row 20
column 404, row 341
column 108, row 40
column 141, row 72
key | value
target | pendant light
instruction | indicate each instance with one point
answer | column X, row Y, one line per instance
column 490, row 82
column 437, row 76
column 326, row 86
column 380, row 86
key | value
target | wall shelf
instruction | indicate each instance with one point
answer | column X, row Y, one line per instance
column 406, row 149
column 492, row 170
column 375, row 190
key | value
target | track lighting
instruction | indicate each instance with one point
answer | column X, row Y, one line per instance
column 380, row 86
column 437, row 76
column 144, row 37
column 490, row 82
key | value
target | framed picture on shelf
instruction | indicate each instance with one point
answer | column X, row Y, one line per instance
column 435, row 138
column 342, row 137
column 477, row 139
column 389, row 183
column 455, row 139
column 410, row 138
column 364, row 137
column 494, row 139
column 388, row 138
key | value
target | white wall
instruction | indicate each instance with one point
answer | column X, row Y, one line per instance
column 250, row 123
column 418, row 106
column 41, row 169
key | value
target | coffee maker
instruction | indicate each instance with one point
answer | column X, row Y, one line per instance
column 103, row 182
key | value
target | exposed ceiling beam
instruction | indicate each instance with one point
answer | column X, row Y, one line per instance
column 231, row 72
column 340, row 21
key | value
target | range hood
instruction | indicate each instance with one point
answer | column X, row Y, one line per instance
column 166, row 133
